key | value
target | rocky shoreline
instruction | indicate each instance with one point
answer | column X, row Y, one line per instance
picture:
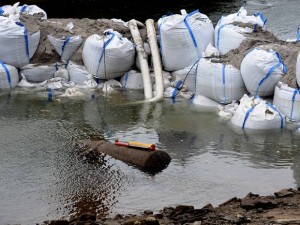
column 281, row 208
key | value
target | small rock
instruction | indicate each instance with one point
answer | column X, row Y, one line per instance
column 59, row 222
column 260, row 210
column 284, row 193
column 232, row 200
column 149, row 221
column 148, row 212
column 119, row 216
column 159, row 216
column 249, row 204
column 87, row 217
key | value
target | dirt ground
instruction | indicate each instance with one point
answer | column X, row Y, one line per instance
column 281, row 208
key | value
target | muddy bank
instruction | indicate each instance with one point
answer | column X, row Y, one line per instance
column 281, row 208
column 267, row 40
column 59, row 28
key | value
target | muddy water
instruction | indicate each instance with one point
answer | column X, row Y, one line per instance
column 43, row 176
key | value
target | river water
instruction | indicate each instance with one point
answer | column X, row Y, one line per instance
column 44, row 177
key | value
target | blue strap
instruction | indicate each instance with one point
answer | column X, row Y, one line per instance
column 262, row 17
column 23, row 9
column 104, row 47
column 64, row 45
column 280, row 63
column 1, row 11
column 223, row 81
column 192, row 98
column 191, row 32
column 275, row 109
column 247, row 115
column 50, row 94
column 7, row 74
column 175, row 90
column 296, row 91
column 298, row 34
column 219, row 34
column 126, row 79
column 26, row 39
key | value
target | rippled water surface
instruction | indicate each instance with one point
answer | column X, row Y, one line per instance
column 43, row 176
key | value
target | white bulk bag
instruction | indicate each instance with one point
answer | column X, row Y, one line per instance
column 255, row 113
column 188, row 75
column 203, row 101
column 66, row 46
column 261, row 71
column 32, row 10
column 5, row 10
column 17, row 45
column 298, row 70
column 183, row 38
column 229, row 36
column 38, row 73
column 9, row 77
column 287, row 100
column 78, row 74
column 220, row 82
column 108, row 56
column 132, row 80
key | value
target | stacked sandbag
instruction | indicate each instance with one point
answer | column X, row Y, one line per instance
column 17, row 44
column 261, row 71
column 66, row 46
column 220, row 82
column 287, row 100
column 132, row 80
column 255, row 113
column 231, row 30
column 188, row 75
column 108, row 56
column 5, row 10
column 38, row 73
column 78, row 74
column 9, row 77
column 183, row 38
column 32, row 10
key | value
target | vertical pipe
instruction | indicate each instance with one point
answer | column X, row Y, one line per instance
column 143, row 59
column 156, row 60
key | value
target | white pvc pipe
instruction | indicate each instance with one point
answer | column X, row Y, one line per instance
column 142, row 58
column 159, row 83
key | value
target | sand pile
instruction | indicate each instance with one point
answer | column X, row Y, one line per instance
column 46, row 54
column 266, row 40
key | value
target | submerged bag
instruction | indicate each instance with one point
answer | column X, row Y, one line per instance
column 17, row 45
column 132, row 80
column 261, row 71
column 108, row 56
column 183, row 38
column 188, row 75
column 255, row 113
column 9, row 77
column 287, row 100
column 38, row 73
column 220, row 82
column 66, row 47
column 78, row 74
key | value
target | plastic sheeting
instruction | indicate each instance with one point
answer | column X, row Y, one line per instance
column 183, row 38
column 287, row 100
column 255, row 113
column 261, row 71
column 108, row 56
column 67, row 46
column 220, row 82
column 132, row 80
column 38, row 73
column 78, row 74
column 17, row 45
column 9, row 77
column 229, row 36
